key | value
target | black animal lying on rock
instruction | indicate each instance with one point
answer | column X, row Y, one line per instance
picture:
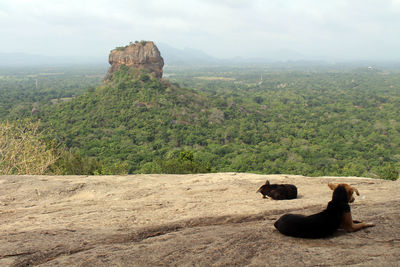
column 278, row 191
column 336, row 215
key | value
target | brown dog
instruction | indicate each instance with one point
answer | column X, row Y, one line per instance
column 347, row 221
column 336, row 215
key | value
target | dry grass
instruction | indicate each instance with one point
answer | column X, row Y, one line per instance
column 22, row 149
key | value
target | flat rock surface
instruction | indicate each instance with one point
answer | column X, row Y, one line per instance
column 186, row 220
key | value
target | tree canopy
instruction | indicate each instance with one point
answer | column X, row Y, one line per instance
column 329, row 122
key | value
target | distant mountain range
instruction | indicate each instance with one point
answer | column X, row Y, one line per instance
column 176, row 56
column 171, row 55
column 191, row 56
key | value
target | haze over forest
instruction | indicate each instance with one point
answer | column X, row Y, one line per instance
column 76, row 32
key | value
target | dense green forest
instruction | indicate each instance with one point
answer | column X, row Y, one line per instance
column 315, row 121
column 22, row 89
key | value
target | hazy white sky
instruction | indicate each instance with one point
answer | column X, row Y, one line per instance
column 336, row 29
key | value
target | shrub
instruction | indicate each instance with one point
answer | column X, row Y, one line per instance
column 71, row 162
column 24, row 149
column 388, row 172
column 183, row 164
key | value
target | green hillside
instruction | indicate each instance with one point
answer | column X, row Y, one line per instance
column 296, row 123
column 134, row 119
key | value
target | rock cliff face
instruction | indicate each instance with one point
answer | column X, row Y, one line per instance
column 139, row 55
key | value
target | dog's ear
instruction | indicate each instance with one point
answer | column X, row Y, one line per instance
column 267, row 182
column 355, row 190
column 332, row 186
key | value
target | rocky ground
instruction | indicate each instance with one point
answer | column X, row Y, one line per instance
column 186, row 220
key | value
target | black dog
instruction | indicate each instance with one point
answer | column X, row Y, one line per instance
column 278, row 191
column 336, row 215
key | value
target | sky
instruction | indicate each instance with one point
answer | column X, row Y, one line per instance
column 314, row 29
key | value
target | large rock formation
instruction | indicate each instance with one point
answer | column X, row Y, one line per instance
column 140, row 55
